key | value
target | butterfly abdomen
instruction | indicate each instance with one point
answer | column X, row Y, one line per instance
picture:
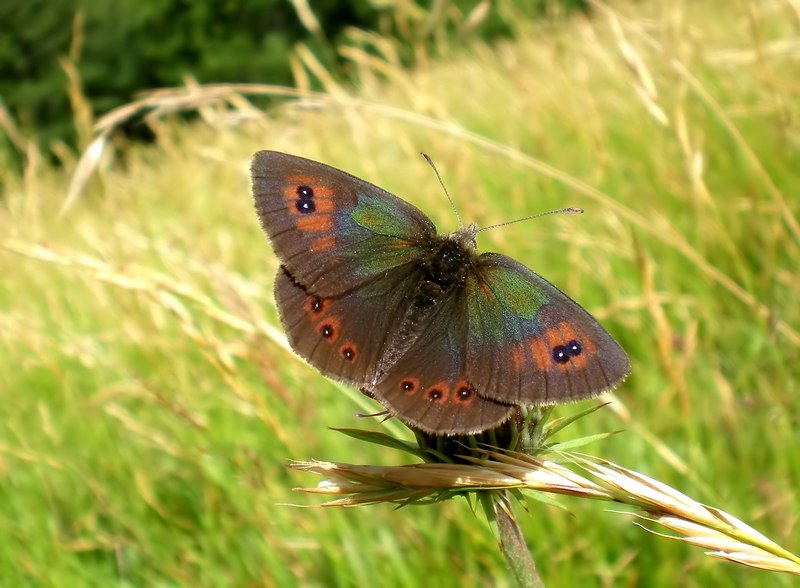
column 441, row 273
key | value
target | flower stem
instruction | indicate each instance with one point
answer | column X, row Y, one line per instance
column 498, row 510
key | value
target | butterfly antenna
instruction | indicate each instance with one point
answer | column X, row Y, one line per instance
column 441, row 183
column 570, row 210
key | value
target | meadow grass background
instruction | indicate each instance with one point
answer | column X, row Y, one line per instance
column 149, row 404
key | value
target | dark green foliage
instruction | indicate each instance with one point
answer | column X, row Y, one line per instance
column 125, row 46
column 33, row 35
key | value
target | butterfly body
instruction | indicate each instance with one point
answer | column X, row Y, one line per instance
column 448, row 340
column 442, row 273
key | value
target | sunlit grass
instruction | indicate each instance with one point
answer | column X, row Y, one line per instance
column 150, row 404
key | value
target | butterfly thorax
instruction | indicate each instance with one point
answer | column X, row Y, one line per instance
column 444, row 268
column 442, row 272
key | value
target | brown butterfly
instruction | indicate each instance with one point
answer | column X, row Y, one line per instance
column 449, row 341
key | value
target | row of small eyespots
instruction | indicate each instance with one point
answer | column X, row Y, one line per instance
column 328, row 327
column 308, row 197
column 440, row 392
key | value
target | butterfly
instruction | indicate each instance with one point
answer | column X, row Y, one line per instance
column 449, row 341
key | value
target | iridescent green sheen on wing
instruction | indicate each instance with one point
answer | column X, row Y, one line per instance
column 501, row 301
column 380, row 254
column 383, row 217
column 514, row 290
column 396, row 234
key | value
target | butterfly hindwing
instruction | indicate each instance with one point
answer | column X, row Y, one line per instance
column 343, row 336
column 427, row 386
column 332, row 231
column 529, row 343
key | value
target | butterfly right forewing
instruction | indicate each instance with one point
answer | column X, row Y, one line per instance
column 529, row 343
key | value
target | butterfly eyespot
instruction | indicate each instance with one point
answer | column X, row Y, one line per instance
column 409, row 386
column 574, row 348
column 305, row 206
column 305, row 192
column 347, row 352
column 435, row 395
column 464, row 393
column 315, row 305
column 561, row 354
column 329, row 329
column 304, row 203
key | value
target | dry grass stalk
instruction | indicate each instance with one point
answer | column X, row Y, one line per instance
column 692, row 522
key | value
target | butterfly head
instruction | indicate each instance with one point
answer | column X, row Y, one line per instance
column 465, row 237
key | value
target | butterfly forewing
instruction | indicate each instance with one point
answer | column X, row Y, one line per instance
column 529, row 343
column 332, row 231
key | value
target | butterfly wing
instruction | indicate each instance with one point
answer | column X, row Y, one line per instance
column 348, row 251
column 529, row 343
column 427, row 386
column 332, row 231
column 345, row 335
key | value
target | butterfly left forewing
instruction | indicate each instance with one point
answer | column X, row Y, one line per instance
column 347, row 250
column 331, row 230
column 529, row 343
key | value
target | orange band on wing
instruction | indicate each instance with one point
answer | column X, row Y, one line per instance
column 518, row 357
column 567, row 332
column 553, row 339
column 313, row 223
column 587, row 344
column 541, row 353
column 323, row 243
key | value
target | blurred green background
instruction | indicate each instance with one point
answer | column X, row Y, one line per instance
column 112, row 50
column 149, row 402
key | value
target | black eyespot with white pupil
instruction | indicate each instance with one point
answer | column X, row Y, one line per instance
column 316, row 304
column 563, row 353
column 348, row 353
column 326, row 331
column 305, row 203
column 464, row 393
column 435, row 394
